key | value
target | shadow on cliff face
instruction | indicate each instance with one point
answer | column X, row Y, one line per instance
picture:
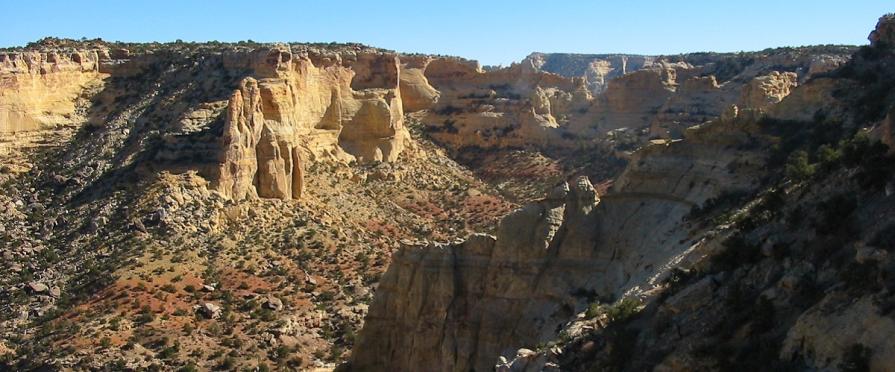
column 133, row 119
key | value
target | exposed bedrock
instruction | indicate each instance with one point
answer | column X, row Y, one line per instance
column 296, row 107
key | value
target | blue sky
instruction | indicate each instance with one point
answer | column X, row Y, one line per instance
column 494, row 32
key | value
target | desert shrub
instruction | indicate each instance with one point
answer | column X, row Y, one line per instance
column 797, row 167
column 624, row 309
column 227, row 364
column 828, row 157
column 618, row 312
column 146, row 315
column 449, row 110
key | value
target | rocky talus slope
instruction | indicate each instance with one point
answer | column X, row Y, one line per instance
column 757, row 241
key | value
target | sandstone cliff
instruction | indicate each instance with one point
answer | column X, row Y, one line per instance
column 298, row 107
column 39, row 89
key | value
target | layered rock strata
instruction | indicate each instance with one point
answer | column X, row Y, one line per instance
column 38, row 90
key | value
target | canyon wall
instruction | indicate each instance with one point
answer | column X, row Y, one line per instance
column 597, row 69
column 550, row 101
column 459, row 306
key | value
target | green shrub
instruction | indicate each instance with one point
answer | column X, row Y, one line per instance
column 618, row 312
column 797, row 167
column 828, row 156
column 624, row 309
column 228, row 363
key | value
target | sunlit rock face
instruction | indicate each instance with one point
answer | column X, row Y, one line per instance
column 348, row 108
column 38, row 90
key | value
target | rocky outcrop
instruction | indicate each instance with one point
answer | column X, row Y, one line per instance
column 696, row 100
column 513, row 107
column 629, row 101
column 764, row 91
column 293, row 111
column 451, row 307
column 39, row 90
column 256, row 161
column 884, row 33
column 854, row 323
column 416, row 92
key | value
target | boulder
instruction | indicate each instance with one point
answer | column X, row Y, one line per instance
column 38, row 288
column 209, row 310
column 273, row 303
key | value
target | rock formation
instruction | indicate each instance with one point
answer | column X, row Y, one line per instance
column 287, row 109
column 298, row 107
column 884, row 33
column 38, row 90
column 416, row 92
column 765, row 91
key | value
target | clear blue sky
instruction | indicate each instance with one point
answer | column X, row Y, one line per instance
column 494, row 32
